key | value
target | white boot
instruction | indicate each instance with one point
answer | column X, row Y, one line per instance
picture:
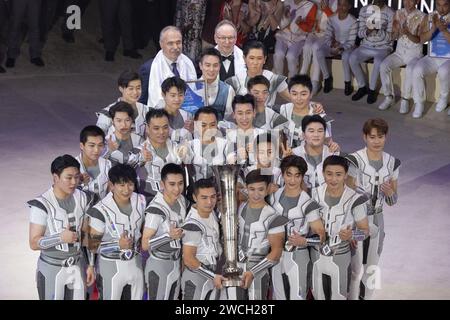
column 386, row 103
column 418, row 110
column 404, row 106
column 441, row 105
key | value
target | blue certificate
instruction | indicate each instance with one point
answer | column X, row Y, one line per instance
column 438, row 47
column 195, row 96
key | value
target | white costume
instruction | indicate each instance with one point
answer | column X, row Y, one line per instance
column 99, row 184
column 126, row 153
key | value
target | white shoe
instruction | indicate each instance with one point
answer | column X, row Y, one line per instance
column 404, row 106
column 418, row 110
column 386, row 103
column 441, row 105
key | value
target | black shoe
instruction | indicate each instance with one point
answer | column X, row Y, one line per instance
column 109, row 56
column 372, row 96
column 348, row 88
column 328, row 85
column 132, row 54
column 359, row 94
column 68, row 37
column 37, row 62
column 10, row 63
column 2, row 70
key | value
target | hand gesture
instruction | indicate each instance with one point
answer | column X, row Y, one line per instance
column 273, row 188
column 323, row 4
column 112, row 145
column 296, row 239
column 174, row 232
column 247, row 278
column 285, row 151
column 334, row 147
column 441, row 25
column 125, row 242
column 218, row 281
column 90, row 276
column 182, row 151
column 85, row 178
column 435, row 22
column 318, row 108
column 146, row 154
column 346, row 234
column 68, row 236
column 189, row 125
column 299, row 20
column 387, row 189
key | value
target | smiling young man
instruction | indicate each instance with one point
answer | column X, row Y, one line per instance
column 303, row 213
column 343, row 213
column 93, row 168
column 130, row 88
column 261, row 239
column 255, row 55
column 202, row 249
column 219, row 94
column 56, row 222
column 115, row 233
column 375, row 173
column 162, row 235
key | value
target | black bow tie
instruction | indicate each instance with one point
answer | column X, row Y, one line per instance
column 230, row 57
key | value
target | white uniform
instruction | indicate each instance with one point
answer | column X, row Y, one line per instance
column 237, row 139
column 294, row 132
column 378, row 45
column 407, row 53
column 330, row 272
column 119, row 271
column 121, row 155
column 163, row 267
column 430, row 65
column 296, row 264
column 272, row 120
column 277, row 84
column 149, row 175
column 368, row 181
column 59, row 272
column 204, row 234
column 203, row 158
column 104, row 120
column 99, row 184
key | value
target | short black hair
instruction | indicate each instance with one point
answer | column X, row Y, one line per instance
column 206, row 110
column 126, row 77
column 253, row 44
column 155, row 113
column 171, row 168
column 302, row 79
column 243, row 99
column 255, row 176
column 335, row 161
column 121, row 106
column 260, row 79
column 171, row 82
column 122, row 173
column 203, row 184
column 62, row 162
column 91, row 131
column 294, row 161
column 210, row 52
column 265, row 137
column 314, row 118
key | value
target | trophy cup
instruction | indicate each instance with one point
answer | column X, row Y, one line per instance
column 226, row 179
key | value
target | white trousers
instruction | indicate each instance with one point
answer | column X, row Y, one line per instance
column 392, row 62
column 312, row 44
column 427, row 66
column 360, row 55
column 290, row 51
column 325, row 51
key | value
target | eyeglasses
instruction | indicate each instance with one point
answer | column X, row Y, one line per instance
column 226, row 38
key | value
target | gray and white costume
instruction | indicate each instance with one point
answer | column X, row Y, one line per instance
column 104, row 120
column 238, row 138
column 277, row 84
column 314, row 176
column 204, row 234
column 369, row 175
column 295, row 262
column 149, row 174
column 59, row 272
column 98, row 183
column 128, row 151
column 163, row 267
column 294, row 128
column 331, row 268
column 119, row 273
column 269, row 119
column 255, row 225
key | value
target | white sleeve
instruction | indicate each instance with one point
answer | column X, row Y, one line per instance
column 192, row 238
column 97, row 224
column 279, row 229
column 103, row 122
column 352, row 170
column 283, row 86
column 228, row 107
column 359, row 212
column 153, row 221
column 395, row 174
column 312, row 216
column 38, row 216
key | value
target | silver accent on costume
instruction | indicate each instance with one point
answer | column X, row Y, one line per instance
column 157, row 242
column 391, row 200
column 358, row 235
column 50, row 241
column 226, row 178
column 204, row 272
column 262, row 265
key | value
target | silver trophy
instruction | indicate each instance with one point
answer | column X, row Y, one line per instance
column 226, row 179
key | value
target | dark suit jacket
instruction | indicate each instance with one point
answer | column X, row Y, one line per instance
column 144, row 73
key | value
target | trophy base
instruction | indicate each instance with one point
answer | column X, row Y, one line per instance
column 232, row 283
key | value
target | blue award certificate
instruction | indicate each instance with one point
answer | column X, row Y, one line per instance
column 195, row 96
column 438, row 46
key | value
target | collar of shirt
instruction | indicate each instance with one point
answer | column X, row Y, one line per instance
column 169, row 62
